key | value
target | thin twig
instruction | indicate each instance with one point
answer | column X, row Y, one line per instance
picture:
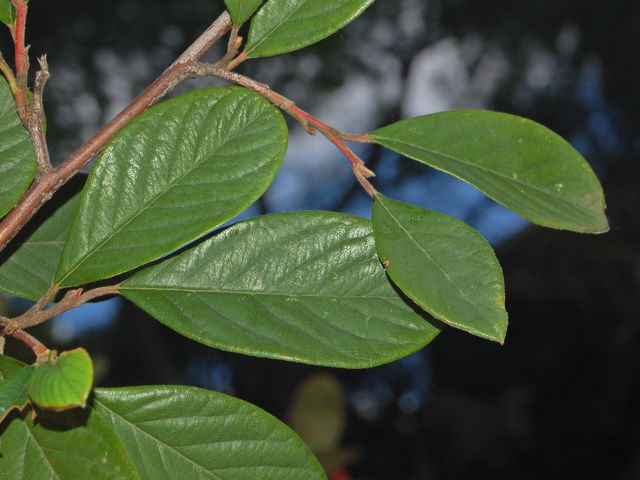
column 21, row 59
column 237, row 61
column 35, row 122
column 232, row 47
column 44, row 300
column 72, row 299
column 310, row 123
column 44, row 189
column 37, row 347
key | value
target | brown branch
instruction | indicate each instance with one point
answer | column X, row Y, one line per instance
column 38, row 349
column 310, row 123
column 35, row 121
column 38, row 314
column 44, row 189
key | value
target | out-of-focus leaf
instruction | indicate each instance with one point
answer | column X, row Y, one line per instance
column 181, row 432
column 443, row 265
column 305, row 287
column 175, row 172
column 286, row 25
column 318, row 413
column 517, row 162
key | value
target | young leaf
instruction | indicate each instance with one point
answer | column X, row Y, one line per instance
column 443, row 265
column 281, row 27
column 14, row 392
column 28, row 271
column 64, row 382
column 305, row 287
column 182, row 432
column 175, row 172
column 241, row 10
column 517, row 162
column 17, row 159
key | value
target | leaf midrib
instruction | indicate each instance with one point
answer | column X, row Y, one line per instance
column 41, row 450
column 171, row 448
column 159, row 196
column 550, row 193
column 454, row 284
column 251, row 292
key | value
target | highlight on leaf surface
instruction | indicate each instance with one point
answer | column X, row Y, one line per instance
column 305, row 287
column 177, row 171
column 517, row 162
column 64, row 382
column 283, row 26
column 184, row 432
column 443, row 265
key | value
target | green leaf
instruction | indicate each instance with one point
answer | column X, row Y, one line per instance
column 9, row 366
column 17, row 159
column 7, row 12
column 517, row 162
column 241, row 10
column 63, row 383
column 181, row 432
column 66, row 446
column 443, row 265
column 175, row 172
column 14, row 392
column 305, row 287
column 28, row 270
column 283, row 26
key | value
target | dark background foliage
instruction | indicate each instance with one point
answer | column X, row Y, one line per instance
column 560, row 400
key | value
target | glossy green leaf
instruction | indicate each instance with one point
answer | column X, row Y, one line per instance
column 181, row 432
column 241, row 10
column 28, row 270
column 62, row 383
column 14, row 393
column 175, row 172
column 63, row 446
column 443, row 265
column 517, row 162
column 17, row 158
column 304, row 287
column 283, row 26
column 66, row 446
column 7, row 12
